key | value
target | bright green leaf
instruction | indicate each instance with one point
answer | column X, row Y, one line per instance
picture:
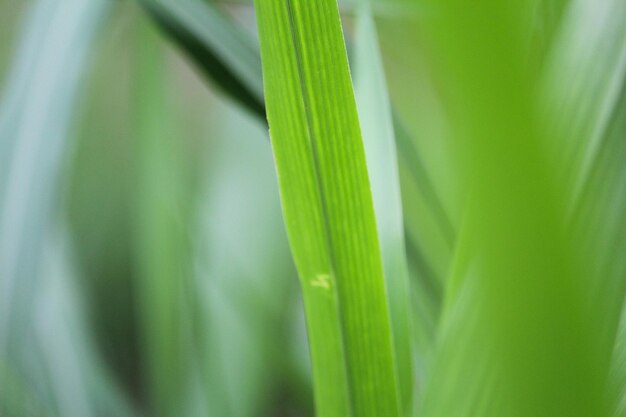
column 328, row 207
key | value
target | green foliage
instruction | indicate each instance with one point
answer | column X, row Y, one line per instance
column 378, row 137
column 456, row 222
column 226, row 53
column 328, row 207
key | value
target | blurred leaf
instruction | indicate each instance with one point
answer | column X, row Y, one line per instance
column 380, row 149
column 582, row 80
column 100, row 193
column 224, row 52
column 163, row 220
column 34, row 121
column 431, row 199
column 432, row 195
column 428, row 225
column 520, row 339
column 17, row 398
column 602, row 216
column 41, row 342
column 243, row 276
column 547, row 21
column 585, row 80
column 82, row 386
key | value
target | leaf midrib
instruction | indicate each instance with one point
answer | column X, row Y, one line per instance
column 308, row 114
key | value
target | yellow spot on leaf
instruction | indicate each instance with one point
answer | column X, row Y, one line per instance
column 322, row 281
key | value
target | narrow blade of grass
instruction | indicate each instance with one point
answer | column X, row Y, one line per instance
column 164, row 267
column 583, row 78
column 224, row 52
column 328, row 207
column 601, row 216
column 43, row 341
column 520, row 339
column 380, row 149
column 34, row 124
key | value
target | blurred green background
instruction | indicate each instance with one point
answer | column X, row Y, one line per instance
column 162, row 277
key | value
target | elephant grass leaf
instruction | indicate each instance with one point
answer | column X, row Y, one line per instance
column 327, row 206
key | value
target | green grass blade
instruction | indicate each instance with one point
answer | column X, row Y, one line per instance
column 547, row 21
column 428, row 226
column 42, row 331
column 80, row 383
column 224, row 52
column 245, row 277
column 431, row 198
column 591, row 42
column 34, row 124
column 521, row 339
column 585, row 79
column 426, row 165
column 327, row 206
column 602, row 217
column 380, row 149
column 162, row 216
